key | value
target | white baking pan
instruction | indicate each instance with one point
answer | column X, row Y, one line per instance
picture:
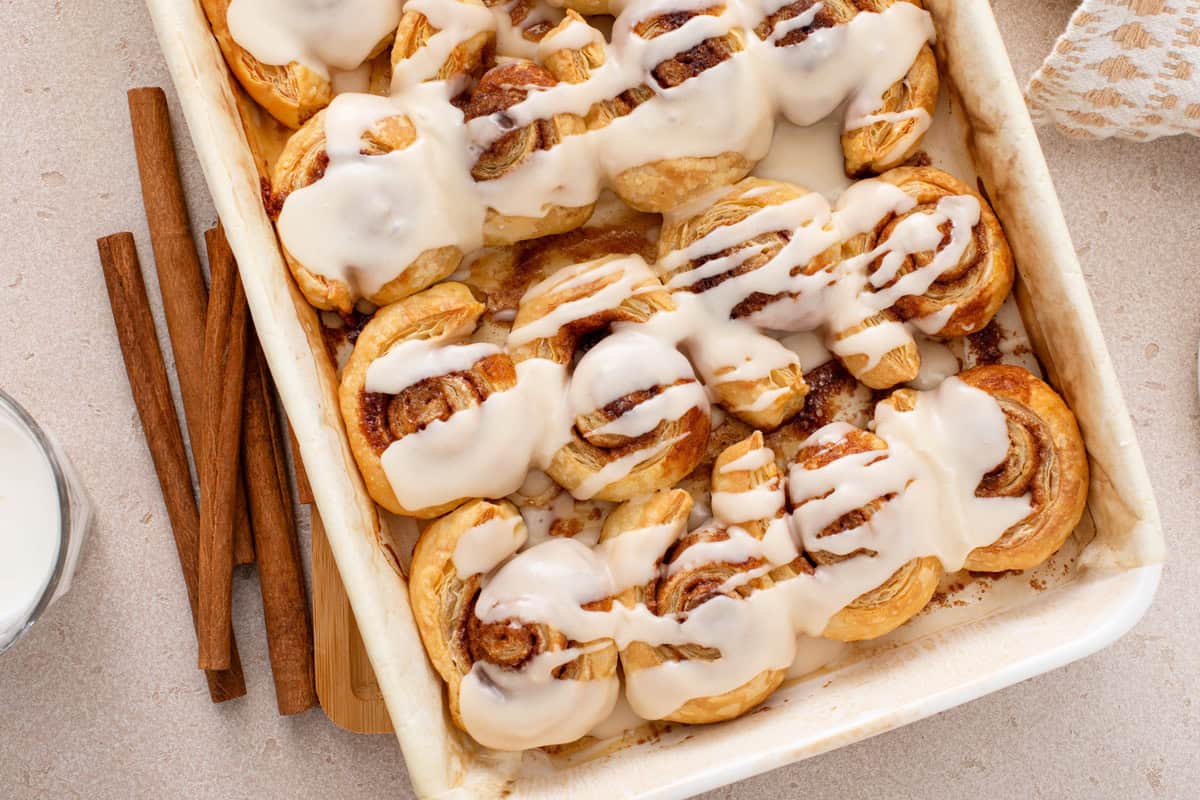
column 1004, row 631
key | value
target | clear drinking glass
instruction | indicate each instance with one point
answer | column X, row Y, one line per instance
column 74, row 515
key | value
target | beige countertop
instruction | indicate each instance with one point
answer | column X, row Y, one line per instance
column 102, row 699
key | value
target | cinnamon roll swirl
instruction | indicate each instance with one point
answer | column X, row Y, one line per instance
column 667, row 183
column 909, row 589
column 967, row 273
column 500, row 88
column 291, row 91
column 639, row 419
column 717, row 268
column 415, row 34
column 1046, row 459
column 430, row 418
column 511, row 684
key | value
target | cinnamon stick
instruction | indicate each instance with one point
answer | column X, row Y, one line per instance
column 185, row 298
column 281, row 576
column 224, row 372
column 152, row 395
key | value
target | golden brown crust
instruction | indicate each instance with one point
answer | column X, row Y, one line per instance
column 898, row 365
column 690, row 587
column 978, row 285
column 889, row 142
column 467, row 57
column 443, row 606
column 882, row 145
column 1046, row 459
column 502, row 275
column 666, row 183
column 291, row 93
column 446, row 313
column 302, row 163
column 684, row 591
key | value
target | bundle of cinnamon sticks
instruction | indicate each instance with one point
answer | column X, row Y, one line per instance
column 245, row 513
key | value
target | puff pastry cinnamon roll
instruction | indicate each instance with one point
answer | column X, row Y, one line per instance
column 717, row 257
column 432, row 419
column 511, row 683
column 500, row 88
column 884, row 123
column 636, row 419
column 664, row 61
column 1046, row 460
column 284, row 59
column 838, row 535
column 357, row 161
column 720, row 571
column 947, row 246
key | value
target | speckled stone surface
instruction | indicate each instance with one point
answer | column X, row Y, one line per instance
column 102, row 699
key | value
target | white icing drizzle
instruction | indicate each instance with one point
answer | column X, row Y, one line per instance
column 477, row 452
column 413, row 360
column 938, row 363
column 483, row 547
column 320, row 34
column 550, row 710
column 936, row 455
column 386, row 210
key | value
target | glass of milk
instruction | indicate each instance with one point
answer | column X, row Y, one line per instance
column 44, row 516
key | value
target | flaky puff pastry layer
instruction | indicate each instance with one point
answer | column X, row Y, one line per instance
column 899, row 598
column 445, row 314
column 1046, row 459
column 690, row 587
column 745, row 198
column 585, row 455
column 443, row 604
column 302, row 163
column 977, row 285
column 291, row 93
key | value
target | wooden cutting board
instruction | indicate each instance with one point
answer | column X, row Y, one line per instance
column 346, row 684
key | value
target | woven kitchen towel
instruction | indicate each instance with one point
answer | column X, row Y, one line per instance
column 1126, row 68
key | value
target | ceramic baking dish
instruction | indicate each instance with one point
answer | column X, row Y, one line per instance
column 994, row 633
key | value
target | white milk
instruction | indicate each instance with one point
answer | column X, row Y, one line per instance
column 30, row 525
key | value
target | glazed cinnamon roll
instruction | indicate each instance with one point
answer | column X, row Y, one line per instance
column 849, row 536
column 638, row 419
column 432, row 419
column 876, row 138
column 293, row 85
column 666, row 100
column 502, row 275
column 731, row 256
column 955, row 255
column 1046, row 459
column 511, row 684
column 728, row 566
column 502, row 87
column 368, row 258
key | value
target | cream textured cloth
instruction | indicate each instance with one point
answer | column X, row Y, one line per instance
column 1127, row 68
